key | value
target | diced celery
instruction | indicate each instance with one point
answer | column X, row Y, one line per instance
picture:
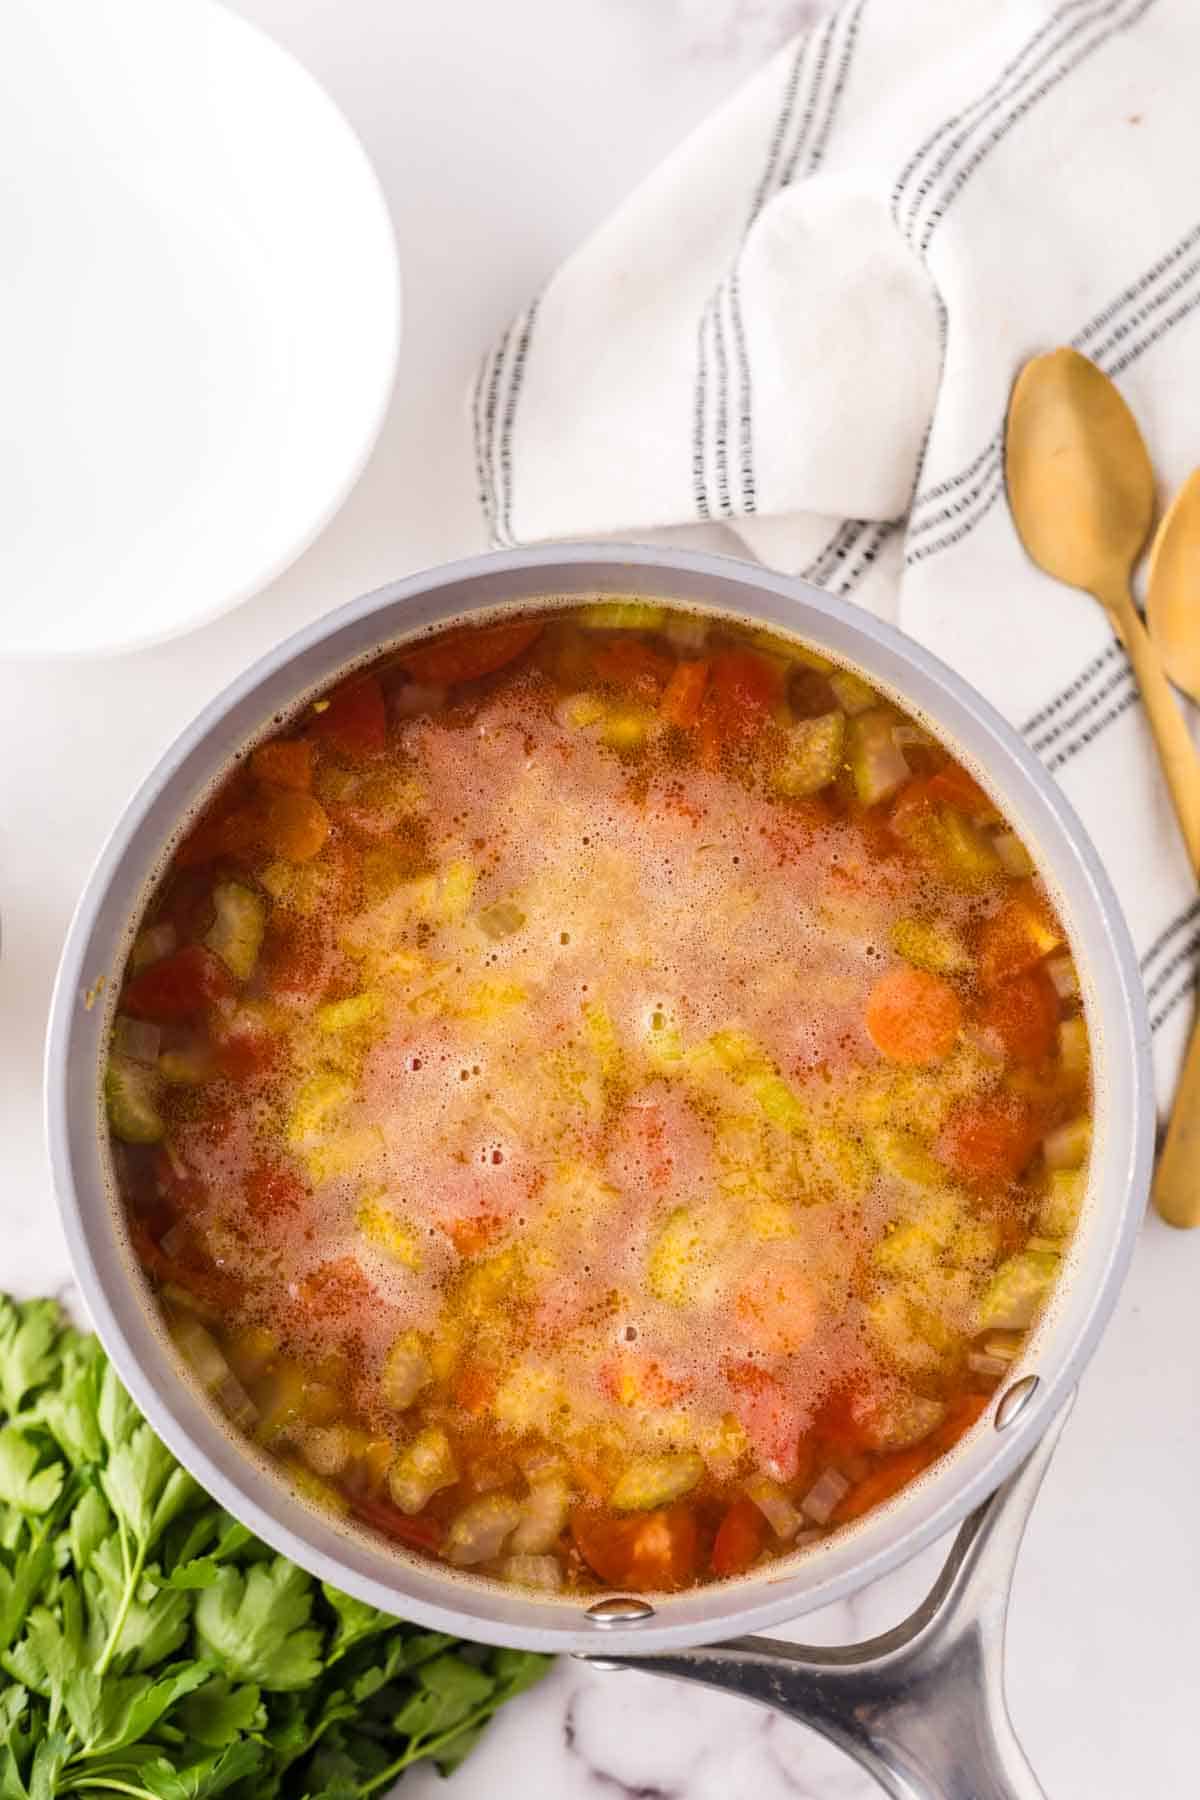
column 625, row 729
column 1014, row 857
column 779, row 1102
column 769, row 1220
column 916, row 1245
column 500, row 919
column 151, row 946
column 422, row 1468
column 975, row 1244
column 380, row 1225
column 967, row 853
column 186, row 1068
column 454, row 891
column 357, row 1013
column 1017, row 1291
column 1073, row 1052
column 343, row 1153
column 853, row 693
column 876, row 762
column 1070, row 1145
column 812, row 755
column 602, row 1039
column 319, row 1099
column 724, row 1445
column 677, row 1257
column 130, row 1091
column 578, row 711
column 621, row 615
column 406, row 1370
column 908, row 1332
column 930, row 946
column 236, row 933
column 903, row 1155
column 490, row 1000
column 1063, row 1201
column 655, row 1481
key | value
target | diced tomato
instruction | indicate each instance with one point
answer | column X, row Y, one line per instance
column 776, row 1310
column 355, row 720
column 647, row 1552
column 296, row 959
column 476, row 650
column 632, row 1378
column 414, row 1534
column 227, row 828
column 215, row 1287
column 894, row 1473
column 740, row 1538
column 626, row 662
column 953, row 785
column 285, row 763
column 710, row 736
column 913, row 1016
column 475, row 1385
column 1017, row 937
column 913, row 803
column 842, row 1424
column 472, row 1232
column 274, row 1192
column 683, row 694
column 770, row 1417
column 178, row 987
column 335, row 1290
column 744, row 689
column 1023, row 1012
column 989, row 1141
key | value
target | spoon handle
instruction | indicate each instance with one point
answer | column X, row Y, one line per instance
column 1177, row 1177
column 1176, row 751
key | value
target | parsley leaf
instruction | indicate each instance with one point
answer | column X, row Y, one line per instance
column 256, row 1625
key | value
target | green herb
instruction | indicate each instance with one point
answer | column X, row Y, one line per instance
column 151, row 1647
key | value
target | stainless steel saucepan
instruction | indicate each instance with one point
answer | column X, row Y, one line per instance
column 922, row 1707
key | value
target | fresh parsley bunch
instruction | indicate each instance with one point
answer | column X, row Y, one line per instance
column 151, row 1647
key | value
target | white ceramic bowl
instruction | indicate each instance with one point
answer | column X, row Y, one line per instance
column 201, row 317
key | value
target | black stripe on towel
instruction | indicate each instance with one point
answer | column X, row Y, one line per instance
column 1169, row 930
column 519, row 361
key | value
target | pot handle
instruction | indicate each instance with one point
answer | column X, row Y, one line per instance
column 922, row 1706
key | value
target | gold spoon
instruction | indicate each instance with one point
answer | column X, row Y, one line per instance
column 1082, row 494
column 1173, row 614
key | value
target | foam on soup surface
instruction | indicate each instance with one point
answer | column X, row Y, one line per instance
column 601, row 1097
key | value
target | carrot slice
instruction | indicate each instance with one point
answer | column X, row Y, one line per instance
column 474, row 651
column 626, row 662
column 681, row 699
column 740, row 1537
column 884, row 1481
column 415, row 1534
column 1023, row 1013
column 293, row 826
column 744, row 688
column 655, row 1551
column 286, row 763
column 1017, row 937
column 953, row 785
column 913, row 1016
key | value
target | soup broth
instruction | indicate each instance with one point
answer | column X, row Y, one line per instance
column 601, row 1096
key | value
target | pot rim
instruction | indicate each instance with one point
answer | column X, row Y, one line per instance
column 308, row 660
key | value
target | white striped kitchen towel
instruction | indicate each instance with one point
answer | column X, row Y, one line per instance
column 806, row 325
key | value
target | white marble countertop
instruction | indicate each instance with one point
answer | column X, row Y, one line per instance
column 502, row 133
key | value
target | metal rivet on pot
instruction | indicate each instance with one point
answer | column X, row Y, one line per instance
column 1016, row 1400
column 619, row 1609
column 600, row 1662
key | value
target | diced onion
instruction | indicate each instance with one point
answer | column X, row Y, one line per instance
column 180, row 1300
column 501, row 919
column 175, row 1241
column 481, row 1529
column 910, row 737
column 541, row 1572
column 151, row 945
column 1067, row 1147
column 137, row 1039
column 1065, row 976
column 199, row 1350
column 235, row 1402
column 544, row 1514
column 992, row 1368
column 406, row 1371
column 1014, row 857
column 1004, row 1344
column 1044, row 1246
column 685, row 633
column 824, row 1496
column 774, row 1506
column 806, row 1538
column 327, row 1449
column 415, row 698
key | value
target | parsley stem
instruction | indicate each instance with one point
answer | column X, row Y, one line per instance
column 107, row 1785
column 131, row 1584
column 429, row 1749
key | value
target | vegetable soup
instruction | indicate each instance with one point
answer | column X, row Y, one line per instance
column 600, row 1097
